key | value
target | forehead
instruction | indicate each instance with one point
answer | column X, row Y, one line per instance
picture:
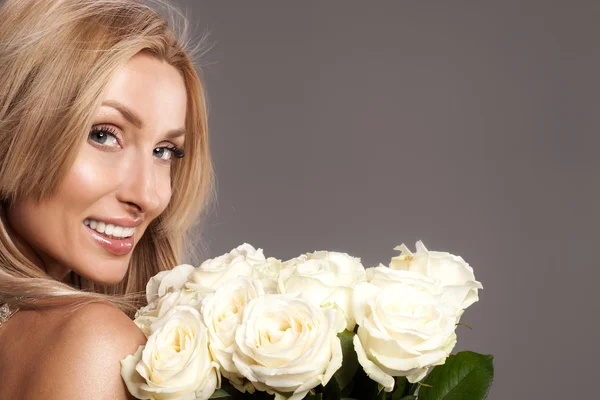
column 152, row 89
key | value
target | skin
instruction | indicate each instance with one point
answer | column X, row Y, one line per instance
column 121, row 177
column 55, row 354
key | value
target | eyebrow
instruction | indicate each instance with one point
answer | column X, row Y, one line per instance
column 136, row 121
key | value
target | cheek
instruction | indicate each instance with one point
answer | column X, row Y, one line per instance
column 33, row 222
column 83, row 186
column 88, row 181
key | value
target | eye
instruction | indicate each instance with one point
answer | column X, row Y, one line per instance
column 104, row 136
column 167, row 153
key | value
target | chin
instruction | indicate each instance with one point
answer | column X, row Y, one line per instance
column 105, row 279
column 107, row 275
column 109, row 280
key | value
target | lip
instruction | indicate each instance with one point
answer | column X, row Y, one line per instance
column 121, row 221
column 118, row 247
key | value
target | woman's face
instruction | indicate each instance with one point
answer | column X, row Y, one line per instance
column 120, row 180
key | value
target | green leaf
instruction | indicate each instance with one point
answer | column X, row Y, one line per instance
column 464, row 376
column 364, row 387
column 220, row 394
column 409, row 397
column 332, row 391
column 401, row 386
column 347, row 391
column 412, row 388
column 228, row 392
column 345, row 374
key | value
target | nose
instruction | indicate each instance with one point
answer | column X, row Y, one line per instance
column 138, row 186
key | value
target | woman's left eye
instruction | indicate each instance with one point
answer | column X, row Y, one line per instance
column 168, row 153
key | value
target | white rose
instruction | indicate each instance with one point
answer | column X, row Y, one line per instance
column 324, row 277
column 268, row 274
column 222, row 313
column 145, row 316
column 285, row 344
column 175, row 363
column 456, row 277
column 167, row 281
column 238, row 262
column 404, row 327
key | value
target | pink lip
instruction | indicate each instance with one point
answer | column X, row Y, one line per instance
column 126, row 222
column 117, row 247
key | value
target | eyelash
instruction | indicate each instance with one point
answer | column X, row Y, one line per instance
column 176, row 150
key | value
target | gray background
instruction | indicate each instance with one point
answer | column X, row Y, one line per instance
column 355, row 126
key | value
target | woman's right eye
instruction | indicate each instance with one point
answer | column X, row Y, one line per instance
column 104, row 136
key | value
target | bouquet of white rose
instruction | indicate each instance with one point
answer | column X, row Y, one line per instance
column 318, row 326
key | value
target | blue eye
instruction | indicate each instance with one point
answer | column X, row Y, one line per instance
column 104, row 136
column 163, row 153
column 168, row 153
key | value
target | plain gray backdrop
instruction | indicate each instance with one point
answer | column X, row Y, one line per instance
column 355, row 126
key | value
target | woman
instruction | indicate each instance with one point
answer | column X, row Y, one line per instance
column 104, row 166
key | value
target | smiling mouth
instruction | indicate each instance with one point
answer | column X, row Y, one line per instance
column 109, row 231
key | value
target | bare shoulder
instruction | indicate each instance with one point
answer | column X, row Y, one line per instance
column 82, row 359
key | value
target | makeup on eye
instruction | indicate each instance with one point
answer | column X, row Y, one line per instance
column 176, row 152
column 104, row 136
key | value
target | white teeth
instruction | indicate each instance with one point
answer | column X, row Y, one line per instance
column 109, row 229
column 114, row 231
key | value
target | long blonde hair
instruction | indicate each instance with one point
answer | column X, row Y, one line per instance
column 56, row 59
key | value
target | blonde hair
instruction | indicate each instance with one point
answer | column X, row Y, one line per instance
column 56, row 59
